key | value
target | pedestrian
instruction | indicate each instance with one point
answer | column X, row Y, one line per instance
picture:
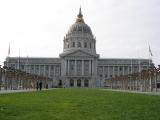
column 37, row 86
column 46, row 86
column 40, row 86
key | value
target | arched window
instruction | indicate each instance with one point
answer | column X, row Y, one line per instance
column 79, row 45
column 67, row 44
column 90, row 45
column 86, row 83
column 73, row 44
column 85, row 45
column 79, row 28
column 78, row 83
column 60, row 83
column 71, row 82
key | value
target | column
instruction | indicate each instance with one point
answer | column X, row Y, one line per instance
column 155, row 81
column 93, row 68
column 65, row 68
column 75, row 70
column 108, row 73
column 29, row 69
column 39, row 70
column 123, row 70
column 89, row 67
column 75, row 83
column 49, row 70
column 103, row 77
column 44, row 70
column 68, row 67
column 128, row 69
column 54, row 70
column 103, row 72
column 82, row 67
column 150, row 82
column 118, row 71
column 34, row 69
column 82, row 82
column 113, row 72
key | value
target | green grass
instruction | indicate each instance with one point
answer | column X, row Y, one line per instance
column 79, row 104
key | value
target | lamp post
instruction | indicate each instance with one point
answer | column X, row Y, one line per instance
column 0, row 77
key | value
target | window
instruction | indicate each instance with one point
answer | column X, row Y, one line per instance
column 73, row 44
column 120, row 68
column 12, row 65
column 47, row 68
column 79, row 45
column 100, row 75
column 125, row 68
column 79, row 28
column 106, row 75
column 85, row 45
column 32, row 67
column 90, row 45
column 22, row 67
column 37, row 67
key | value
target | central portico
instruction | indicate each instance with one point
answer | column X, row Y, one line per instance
column 79, row 58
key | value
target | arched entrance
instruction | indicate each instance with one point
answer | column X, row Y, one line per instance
column 71, row 82
column 60, row 83
column 78, row 83
column 86, row 83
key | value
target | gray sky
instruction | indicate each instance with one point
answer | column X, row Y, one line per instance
column 123, row 28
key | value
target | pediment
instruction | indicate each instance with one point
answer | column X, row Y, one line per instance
column 78, row 53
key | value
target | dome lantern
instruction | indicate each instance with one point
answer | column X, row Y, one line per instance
column 80, row 16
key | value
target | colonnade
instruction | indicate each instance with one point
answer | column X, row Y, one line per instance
column 71, row 67
column 13, row 79
column 40, row 69
column 146, row 80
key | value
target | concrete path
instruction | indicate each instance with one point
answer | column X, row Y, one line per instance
column 16, row 91
column 139, row 92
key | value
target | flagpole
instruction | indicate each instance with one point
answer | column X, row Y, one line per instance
column 9, row 50
column 8, row 54
column 150, row 58
column 19, row 60
column 130, row 86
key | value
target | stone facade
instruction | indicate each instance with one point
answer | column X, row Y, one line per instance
column 79, row 65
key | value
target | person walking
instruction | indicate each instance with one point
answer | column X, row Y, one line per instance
column 37, row 85
column 40, row 86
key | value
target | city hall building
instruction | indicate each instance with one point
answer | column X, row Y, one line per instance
column 78, row 65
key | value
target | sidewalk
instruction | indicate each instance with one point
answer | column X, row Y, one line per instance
column 17, row 91
column 138, row 92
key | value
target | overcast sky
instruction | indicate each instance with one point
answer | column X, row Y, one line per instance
column 123, row 28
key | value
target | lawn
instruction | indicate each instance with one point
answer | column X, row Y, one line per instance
column 79, row 104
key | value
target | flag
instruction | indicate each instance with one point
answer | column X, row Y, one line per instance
column 9, row 50
column 150, row 52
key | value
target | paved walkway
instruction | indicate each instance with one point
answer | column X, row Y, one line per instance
column 16, row 91
column 139, row 92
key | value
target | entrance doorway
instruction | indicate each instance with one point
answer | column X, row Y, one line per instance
column 158, row 85
column 78, row 83
column 71, row 82
column 60, row 83
column 86, row 83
